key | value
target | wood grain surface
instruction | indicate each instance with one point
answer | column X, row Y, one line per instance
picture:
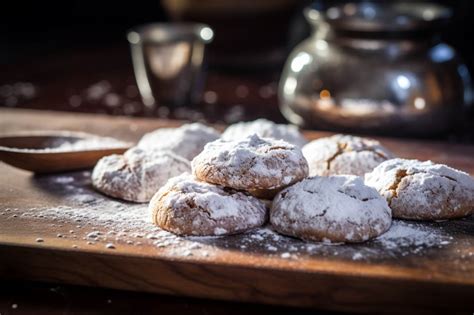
column 435, row 278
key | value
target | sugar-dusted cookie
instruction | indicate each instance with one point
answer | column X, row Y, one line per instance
column 186, row 206
column 423, row 190
column 344, row 155
column 138, row 174
column 260, row 166
column 186, row 141
column 331, row 209
column 266, row 129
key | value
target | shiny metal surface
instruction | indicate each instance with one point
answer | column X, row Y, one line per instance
column 374, row 79
column 168, row 62
column 387, row 16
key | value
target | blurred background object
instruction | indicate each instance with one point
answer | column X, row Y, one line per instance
column 376, row 68
column 168, row 62
column 249, row 33
column 74, row 55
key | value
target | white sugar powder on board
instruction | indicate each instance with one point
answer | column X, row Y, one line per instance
column 102, row 219
column 404, row 238
column 83, row 206
column 403, row 234
column 86, row 144
column 90, row 144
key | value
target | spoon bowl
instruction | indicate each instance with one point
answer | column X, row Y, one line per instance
column 57, row 151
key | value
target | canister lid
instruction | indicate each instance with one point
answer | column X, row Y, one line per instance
column 382, row 17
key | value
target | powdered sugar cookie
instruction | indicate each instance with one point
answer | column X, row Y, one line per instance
column 186, row 206
column 423, row 190
column 261, row 166
column 138, row 174
column 266, row 129
column 186, row 141
column 343, row 154
column 330, row 209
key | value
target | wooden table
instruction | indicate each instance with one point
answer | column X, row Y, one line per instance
column 440, row 279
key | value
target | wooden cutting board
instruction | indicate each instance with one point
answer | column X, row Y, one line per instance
column 416, row 267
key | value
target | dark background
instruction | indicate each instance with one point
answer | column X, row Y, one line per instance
column 32, row 28
column 29, row 28
column 64, row 48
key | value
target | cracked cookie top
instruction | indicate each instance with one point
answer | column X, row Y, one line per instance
column 186, row 206
column 330, row 209
column 423, row 190
column 186, row 141
column 137, row 174
column 253, row 164
column 266, row 129
column 344, row 154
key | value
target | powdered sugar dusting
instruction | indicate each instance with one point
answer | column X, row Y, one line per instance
column 385, row 174
column 250, row 163
column 96, row 217
column 344, row 154
column 423, row 190
column 90, row 144
column 206, row 196
column 187, row 206
column 403, row 239
column 265, row 128
column 138, row 174
column 101, row 220
column 87, row 144
column 186, row 141
column 340, row 208
column 407, row 234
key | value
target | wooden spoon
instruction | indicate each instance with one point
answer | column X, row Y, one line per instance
column 54, row 151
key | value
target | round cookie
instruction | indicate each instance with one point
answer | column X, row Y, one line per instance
column 344, row 155
column 266, row 129
column 423, row 190
column 331, row 209
column 186, row 206
column 260, row 166
column 186, row 141
column 137, row 174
